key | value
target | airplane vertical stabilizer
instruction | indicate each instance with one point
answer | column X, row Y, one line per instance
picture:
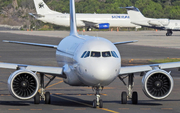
column 42, row 8
column 73, row 28
column 135, row 14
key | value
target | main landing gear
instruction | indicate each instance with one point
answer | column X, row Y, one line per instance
column 42, row 95
column 169, row 33
column 131, row 95
column 97, row 101
column 89, row 29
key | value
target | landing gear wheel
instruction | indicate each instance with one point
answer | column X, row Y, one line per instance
column 94, row 103
column 134, row 98
column 47, row 98
column 100, row 103
column 37, row 98
column 168, row 34
column 89, row 29
column 124, row 98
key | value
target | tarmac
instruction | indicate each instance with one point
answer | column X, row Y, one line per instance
column 65, row 98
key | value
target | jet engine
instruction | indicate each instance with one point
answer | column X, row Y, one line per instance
column 23, row 84
column 102, row 26
column 157, row 84
column 159, row 22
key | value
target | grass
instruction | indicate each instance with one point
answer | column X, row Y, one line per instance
column 165, row 60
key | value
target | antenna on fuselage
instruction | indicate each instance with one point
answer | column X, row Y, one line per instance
column 73, row 27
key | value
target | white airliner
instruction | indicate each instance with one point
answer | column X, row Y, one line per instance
column 98, row 21
column 137, row 18
column 88, row 61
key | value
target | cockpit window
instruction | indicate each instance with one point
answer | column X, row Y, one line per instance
column 99, row 54
column 95, row 54
column 114, row 54
column 106, row 54
column 87, row 54
column 83, row 54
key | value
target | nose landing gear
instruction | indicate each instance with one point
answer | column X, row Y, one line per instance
column 97, row 101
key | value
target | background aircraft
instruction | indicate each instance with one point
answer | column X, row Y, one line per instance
column 137, row 18
column 98, row 21
column 88, row 61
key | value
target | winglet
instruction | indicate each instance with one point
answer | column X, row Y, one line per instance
column 125, row 42
column 6, row 41
column 33, row 44
column 131, row 8
column 73, row 28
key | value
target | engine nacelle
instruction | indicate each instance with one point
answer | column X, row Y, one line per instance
column 103, row 26
column 23, row 84
column 72, row 78
column 157, row 84
column 159, row 22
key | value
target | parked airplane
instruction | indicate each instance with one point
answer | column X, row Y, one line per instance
column 88, row 61
column 98, row 21
column 137, row 18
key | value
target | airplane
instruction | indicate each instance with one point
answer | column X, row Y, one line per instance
column 98, row 21
column 138, row 18
column 87, row 61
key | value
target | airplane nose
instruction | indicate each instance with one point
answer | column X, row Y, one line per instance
column 103, row 71
column 99, row 72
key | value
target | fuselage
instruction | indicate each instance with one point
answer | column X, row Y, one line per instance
column 88, row 61
column 115, row 20
column 163, row 24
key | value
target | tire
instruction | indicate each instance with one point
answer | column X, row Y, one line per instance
column 167, row 34
column 94, row 103
column 37, row 98
column 47, row 98
column 100, row 103
column 123, row 98
column 134, row 98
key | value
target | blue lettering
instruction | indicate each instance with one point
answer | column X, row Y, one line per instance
column 124, row 16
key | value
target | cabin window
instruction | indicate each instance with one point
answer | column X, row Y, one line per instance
column 106, row 54
column 95, row 54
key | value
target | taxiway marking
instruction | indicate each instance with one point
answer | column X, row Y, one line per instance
column 13, row 109
column 105, row 109
column 166, row 108
column 55, row 84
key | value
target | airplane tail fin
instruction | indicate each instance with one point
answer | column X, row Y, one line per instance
column 42, row 8
column 135, row 14
column 73, row 27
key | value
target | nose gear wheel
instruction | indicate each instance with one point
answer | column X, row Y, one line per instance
column 97, row 101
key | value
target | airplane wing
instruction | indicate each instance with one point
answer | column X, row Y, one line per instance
column 144, row 68
column 55, row 71
column 116, row 43
column 33, row 44
column 89, row 23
